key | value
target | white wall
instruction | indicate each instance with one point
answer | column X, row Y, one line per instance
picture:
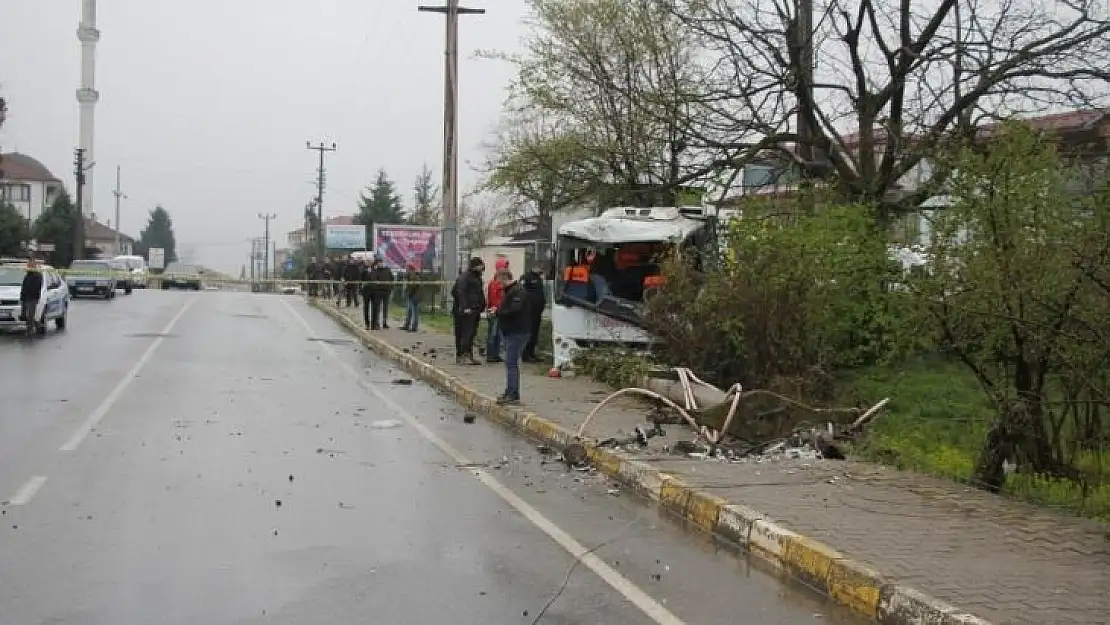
column 42, row 194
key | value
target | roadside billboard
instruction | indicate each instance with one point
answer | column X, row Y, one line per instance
column 156, row 258
column 400, row 246
column 345, row 237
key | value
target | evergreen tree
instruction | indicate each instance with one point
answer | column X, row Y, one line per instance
column 55, row 225
column 382, row 206
column 158, row 233
column 13, row 230
column 425, row 211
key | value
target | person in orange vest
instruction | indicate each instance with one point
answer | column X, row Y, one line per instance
column 494, row 294
column 577, row 279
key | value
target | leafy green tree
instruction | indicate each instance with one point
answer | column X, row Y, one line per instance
column 55, row 225
column 425, row 211
column 158, row 233
column 13, row 230
column 611, row 81
column 382, row 206
column 1019, row 292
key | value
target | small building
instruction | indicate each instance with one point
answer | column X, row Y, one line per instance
column 27, row 184
column 298, row 238
column 102, row 239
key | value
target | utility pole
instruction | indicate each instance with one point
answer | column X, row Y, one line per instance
column 119, row 195
column 79, row 169
column 450, row 134
column 266, row 244
column 320, row 180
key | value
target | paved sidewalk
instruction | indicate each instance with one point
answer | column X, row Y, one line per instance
column 1003, row 561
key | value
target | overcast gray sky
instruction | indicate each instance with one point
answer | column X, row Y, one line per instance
column 207, row 104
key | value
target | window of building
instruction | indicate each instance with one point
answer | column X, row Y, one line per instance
column 15, row 192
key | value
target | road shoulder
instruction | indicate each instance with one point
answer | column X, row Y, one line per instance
column 905, row 566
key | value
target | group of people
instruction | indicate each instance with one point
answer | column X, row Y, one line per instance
column 513, row 308
column 514, row 313
column 348, row 279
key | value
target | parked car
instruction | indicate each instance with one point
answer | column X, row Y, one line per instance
column 136, row 265
column 53, row 303
column 96, row 278
column 123, row 276
column 181, row 276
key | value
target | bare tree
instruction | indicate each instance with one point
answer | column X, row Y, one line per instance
column 542, row 165
column 610, row 80
column 892, row 81
column 480, row 214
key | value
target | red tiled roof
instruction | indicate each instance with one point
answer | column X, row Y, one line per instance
column 340, row 220
column 96, row 231
column 16, row 166
column 1056, row 122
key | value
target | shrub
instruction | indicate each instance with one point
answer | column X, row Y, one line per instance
column 790, row 305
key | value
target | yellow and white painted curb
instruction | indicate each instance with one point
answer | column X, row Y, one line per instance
column 831, row 573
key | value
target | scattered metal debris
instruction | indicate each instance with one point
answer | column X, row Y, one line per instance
column 403, row 381
column 470, row 417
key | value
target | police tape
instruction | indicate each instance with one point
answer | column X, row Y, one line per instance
column 207, row 278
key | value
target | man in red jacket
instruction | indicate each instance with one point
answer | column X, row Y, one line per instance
column 494, row 294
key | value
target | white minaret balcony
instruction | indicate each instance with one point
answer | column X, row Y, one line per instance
column 87, row 95
column 88, row 34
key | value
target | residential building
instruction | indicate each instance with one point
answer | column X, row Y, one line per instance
column 1083, row 137
column 27, row 184
column 102, row 238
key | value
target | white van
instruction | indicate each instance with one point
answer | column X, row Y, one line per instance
column 137, row 266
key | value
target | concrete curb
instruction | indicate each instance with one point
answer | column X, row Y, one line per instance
column 843, row 580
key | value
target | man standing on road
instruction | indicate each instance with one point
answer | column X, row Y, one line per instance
column 493, row 300
column 351, row 276
column 533, row 285
column 513, row 320
column 379, row 289
column 413, row 279
column 311, row 273
column 29, row 293
column 471, row 301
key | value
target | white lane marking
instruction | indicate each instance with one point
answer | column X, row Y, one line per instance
column 649, row 606
column 28, row 491
column 106, row 405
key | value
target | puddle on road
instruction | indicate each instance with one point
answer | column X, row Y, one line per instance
column 150, row 335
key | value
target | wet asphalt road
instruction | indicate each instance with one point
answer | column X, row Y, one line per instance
column 217, row 458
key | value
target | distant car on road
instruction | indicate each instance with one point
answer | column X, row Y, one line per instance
column 123, row 276
column 53, row 303
column 181, row 276
column 94, row 278
column 136, row 265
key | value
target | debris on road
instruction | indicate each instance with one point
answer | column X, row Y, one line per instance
column 385, row 424
column 470, row 417
column 403, row 381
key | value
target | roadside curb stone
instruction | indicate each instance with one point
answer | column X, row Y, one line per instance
column 841, row 579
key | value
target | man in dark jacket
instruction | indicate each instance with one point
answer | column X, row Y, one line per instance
column 381, row 278
column 533, row 285
column 312, row 273
column 352, row 274
column 29, row 294
column 413, row 291
column 470, row 299
column 513, row 321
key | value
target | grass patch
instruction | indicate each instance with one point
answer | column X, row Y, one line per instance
column 935, row 424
